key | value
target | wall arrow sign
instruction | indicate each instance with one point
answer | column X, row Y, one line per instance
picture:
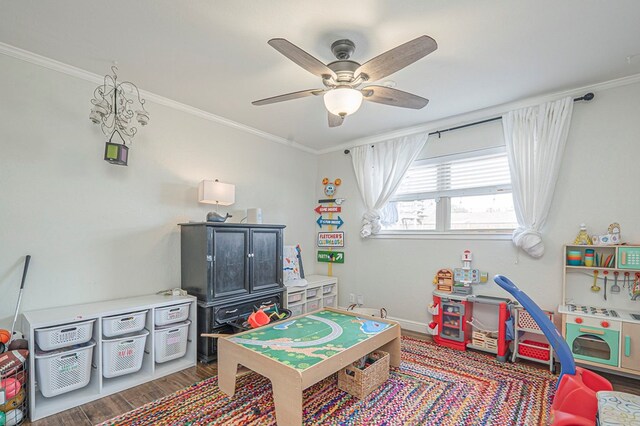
column 330, row 256
column 337, row 222
column 338, row 201
column 326, row 209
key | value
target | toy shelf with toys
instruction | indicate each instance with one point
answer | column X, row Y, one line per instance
column 612, row 271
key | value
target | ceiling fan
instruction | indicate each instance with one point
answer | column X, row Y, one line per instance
column 342, row 78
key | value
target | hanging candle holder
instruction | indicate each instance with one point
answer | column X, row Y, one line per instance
column 116, row 153
column 113, row 109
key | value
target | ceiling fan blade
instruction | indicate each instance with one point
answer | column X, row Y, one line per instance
column 289, row 96
column 394, row 97
column 335, row 120
column 302, row 58
column 397, row 58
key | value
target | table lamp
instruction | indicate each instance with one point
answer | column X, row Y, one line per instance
column 218, row 193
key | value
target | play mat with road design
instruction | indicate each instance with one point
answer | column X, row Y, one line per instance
column 304, row 341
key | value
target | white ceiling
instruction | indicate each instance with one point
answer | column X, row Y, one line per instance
column 213, row 55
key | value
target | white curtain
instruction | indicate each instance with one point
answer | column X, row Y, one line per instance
column 535, row 138
column 379, row 170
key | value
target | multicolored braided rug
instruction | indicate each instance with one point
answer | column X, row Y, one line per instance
column 433, row 386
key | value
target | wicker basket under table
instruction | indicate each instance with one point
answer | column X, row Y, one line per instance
column 361, row 383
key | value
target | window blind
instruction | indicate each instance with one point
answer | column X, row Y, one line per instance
column 471, row 173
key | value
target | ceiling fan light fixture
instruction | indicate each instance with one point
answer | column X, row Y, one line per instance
column 342, row 101
column 341, row 77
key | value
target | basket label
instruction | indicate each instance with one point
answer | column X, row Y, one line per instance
column 68, row 335
column 68, row 367
column 172, row 340
column 173, row 315
column 125, row 353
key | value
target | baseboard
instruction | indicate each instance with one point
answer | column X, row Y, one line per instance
column 410, row 325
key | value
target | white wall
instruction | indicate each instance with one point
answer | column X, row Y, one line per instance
column 597, row 185
column 98, row 231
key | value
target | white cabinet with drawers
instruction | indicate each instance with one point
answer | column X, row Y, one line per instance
column 112, row 348
column 322, row 291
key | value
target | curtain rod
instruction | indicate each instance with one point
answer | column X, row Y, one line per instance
column 587, row 97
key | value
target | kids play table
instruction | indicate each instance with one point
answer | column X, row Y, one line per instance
column 296, row 353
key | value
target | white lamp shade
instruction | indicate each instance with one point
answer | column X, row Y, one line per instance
column 342, row 101
column 214, row 192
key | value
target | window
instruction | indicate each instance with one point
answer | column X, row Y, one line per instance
column 469, row 191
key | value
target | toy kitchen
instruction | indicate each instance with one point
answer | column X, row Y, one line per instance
column 601, row 310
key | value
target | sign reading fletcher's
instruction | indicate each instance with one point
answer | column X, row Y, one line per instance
column 331, row 239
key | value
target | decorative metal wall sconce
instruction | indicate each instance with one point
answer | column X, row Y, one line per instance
column 113, row 109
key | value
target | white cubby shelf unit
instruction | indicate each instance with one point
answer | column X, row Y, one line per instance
column 100, row 386
column 321, row 291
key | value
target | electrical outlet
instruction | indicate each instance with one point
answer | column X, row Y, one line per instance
column 352, row 298
column 360, row 299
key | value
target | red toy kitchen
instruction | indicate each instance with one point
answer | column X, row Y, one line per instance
column 453, row 320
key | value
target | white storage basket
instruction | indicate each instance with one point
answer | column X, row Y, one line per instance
column 49, row 339
column 124, row 324
column 123, row 355
column 171, row 342
column 329, row 301
column 314, row 305
column 296, row 310
column 294, row 297
column 327, row 289
column 64, row 370
column 171, row 314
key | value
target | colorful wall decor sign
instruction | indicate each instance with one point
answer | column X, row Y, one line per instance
column 330, row 188
column 331, row 239
column 335, row 222
column 327, row 209
column 330, row 256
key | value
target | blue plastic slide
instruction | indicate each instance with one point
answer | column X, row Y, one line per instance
column 563, row 352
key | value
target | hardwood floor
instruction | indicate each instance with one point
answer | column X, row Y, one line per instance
column 113, row 405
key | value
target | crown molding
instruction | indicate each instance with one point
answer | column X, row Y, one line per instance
column 52, row 64
column 485, row 113
column 457, row 120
